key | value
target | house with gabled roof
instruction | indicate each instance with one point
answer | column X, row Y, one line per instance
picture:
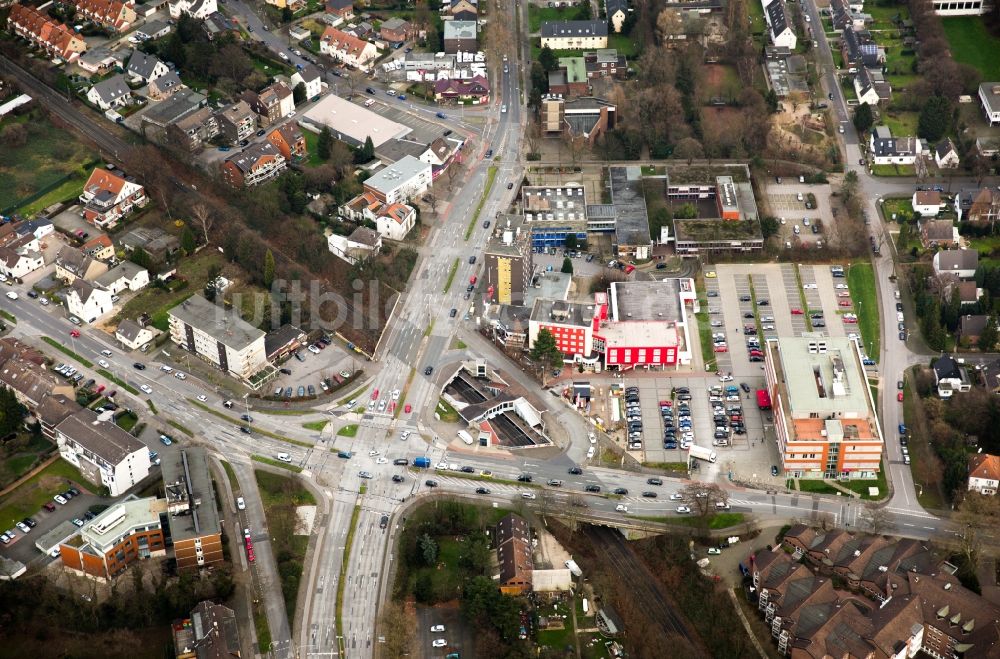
column 164, row 86
column 938, row 233
column 109, row 195
column 111, row 14
column 779, row 24
column 984, row 473
column 72, row 263
column 50, row 35
column 927, row 202
column 311, row 77
column 462, row 10
column 339, row 10
column 617, row 12
column 950, row 377
column 889, row 150
column 946, row 155
column 362, row 244
column 289, row 141
column 145, row 68
column 871, row 87
column 347, row 49
column 113, row 92
column 31, row 382
column 392, row 221
column 132, row 335
column 961, row 263
column 200, row 9
column 256, row 164
column 87, row 301
column 475, row 89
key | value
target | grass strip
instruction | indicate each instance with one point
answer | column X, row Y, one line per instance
column 284, row 412
column 180, row 427
column 705, row 338
column 430, row 328
column 237, row 422
column 66, row 351
column 451, row 276
column 353, row 395
column 401, row 403
column 861, row 283
column 480, row 477
column 719, row 521
column 121, row 383
column 276, row 463
column 9, row 316
column 348, row 431
column 263, row 629
column 231, row 474
column 152, row 407
column 491, row 176
column 315, row 425
column 343, row 568
column 802, row 297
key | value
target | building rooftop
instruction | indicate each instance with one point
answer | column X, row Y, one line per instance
column 989, row 93
column 120, row 520
column 564, row 313
column 247, row 159
column 822, row 375
column 570, row 29
column 103, row 439
column 224, row 325
column 640, row 333
column 460, row 29
column 632, row 226
column 188, row 487
column 352, row 121
column 389, row 178
column 646, row 300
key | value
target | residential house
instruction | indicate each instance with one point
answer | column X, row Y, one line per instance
column 860, row 51
column 86, row 301
column 968, row 292
column 31, row 382
column 779, row 24
column 129, row 531
column 283, row 341
column 53, row 410
column 889, row 150
column 401, row 181
column 938, row 233
column 11, row 348
column 126, row 276
column 114, row 15
column 605, row 63
column 53, row 37
column 475, row 89
column 982, row 206
column 573, row 35
column 617, row 12
column 462, row 10
column 99, row 247
column 984, row 473
column 971, row 327
column 393, row 221
column 347, row 49
column 237, row 122
column 103, row 452
column 395, row 31
column 219, row 336
column 946, row 155
column 132, row 335
column 271, row 104
column 870, row 87
column 111, row 93
column 195, row 526
column 312, row 78
column 362, row 30
column 153, row 30
column 438, row 152
column 99, row 61
column 960, row 262
column 192, row 131
column 512, row 541
column 927, row 202
column 256, row 164
column 164, row 86
column 950, row 377
column 362, row 244
column 461, row 37
column 218, row 25
column 109, row 195
column 38, row 228
column 145, row 68
column 340, row 10
column 16, row 264
column 167, row 122
column 989, row 97
column 211, row 632
column 72, row 263
column 293, row 5
column 200, row 9
column 289, row 141
column 154, row 241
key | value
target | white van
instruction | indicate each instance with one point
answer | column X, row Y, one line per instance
column 590, row 452
column 284, row 457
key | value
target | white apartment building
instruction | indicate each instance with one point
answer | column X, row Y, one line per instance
column 219, row 336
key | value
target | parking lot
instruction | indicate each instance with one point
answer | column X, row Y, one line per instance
column 790, row 202
column 314, row 367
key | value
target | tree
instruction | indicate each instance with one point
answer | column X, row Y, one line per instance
column 976, row 514
column 368, row 150
column 141, row 258
column 863, row 118
column 286, row 14
column 570, row 241
column 878, row 518
column 669, row 25
column 268, row 269
column 203, row 216
column 299, row 93
column 14, row 135
column 428, row 549
column 935, row 119
column 547, row 59
column 567, row 266
column 545, row 352
column 988, row 337
column 702, row 498
column 324, row 144
column 187, row 241
column 11, row 412
column 769, row 226
column 689, row 149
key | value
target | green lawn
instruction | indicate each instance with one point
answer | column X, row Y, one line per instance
column 312, row 144
column 40, row 488
column 276, row 489
column 348, row 431
column 275, row 463
column 902, row 124
column 901, row 208
column 446, row 411
column 315, row 425
column 705, row 337
column 624, row 44
column 451, row 275
column 893, row 170
column 861, row 282
column 756, row 13
column 538, row 15
column 70, row 189
column 48, row 155
column 491, row 175
column 972, row 44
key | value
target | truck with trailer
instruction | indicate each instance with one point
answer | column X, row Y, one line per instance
column 702, row 453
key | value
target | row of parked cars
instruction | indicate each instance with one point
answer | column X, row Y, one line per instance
column 727, row 412
column 633, row 417
column 28, row 523
column 677, row 421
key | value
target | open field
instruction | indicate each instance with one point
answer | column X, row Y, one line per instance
column 901, row 124
column 722, row 81
column 47, row 157
column 972, row 44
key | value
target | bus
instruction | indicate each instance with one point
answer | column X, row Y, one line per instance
column 763, row 399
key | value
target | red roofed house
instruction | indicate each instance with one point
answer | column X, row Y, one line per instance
column 108, row 197
column 112, row 14
column 288, row 139
column 984, row 473
column 55, row 38
column 347, row 49
column 393, row 221
column 99, row 247
column 340, row 9
column 475, row 89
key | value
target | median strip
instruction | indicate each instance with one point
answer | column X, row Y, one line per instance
column 9, row 316
column 238, row 422
column 491, row 176
column 343, row 568
column 66, row 351
column 121, row 383
column 275, row 463
column 451, row 276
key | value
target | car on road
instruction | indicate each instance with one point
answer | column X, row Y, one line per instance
column 384, row 521
column 676, row 497
column 437, row 629
column 714, row 551
column 146, row 389
column 284, row 457
column 12, row 295
column 649, row 495
column 482, row 490
column 593, row 488
column 203, row 398
column 166, row 441
column 364, row 474
column 431, row 483
column 139, row 366
column 576, row 471
column 240, row 503
column 774, row 470
column 439, row 643
column 682, row 510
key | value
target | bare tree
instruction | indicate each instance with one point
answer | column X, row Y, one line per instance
column 703, row 499
column 203, row 216
column 878, row 518
column 975, row 514
column 431, row 199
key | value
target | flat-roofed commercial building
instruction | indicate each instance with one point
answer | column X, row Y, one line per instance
column 194, row 520
column 219, row 335
column 647, row 324
column 128, row 531
column 351, row 122
column 824, row 415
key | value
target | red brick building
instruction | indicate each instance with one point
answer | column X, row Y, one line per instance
column 128, row 531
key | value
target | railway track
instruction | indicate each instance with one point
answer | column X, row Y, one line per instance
column 639, row 583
